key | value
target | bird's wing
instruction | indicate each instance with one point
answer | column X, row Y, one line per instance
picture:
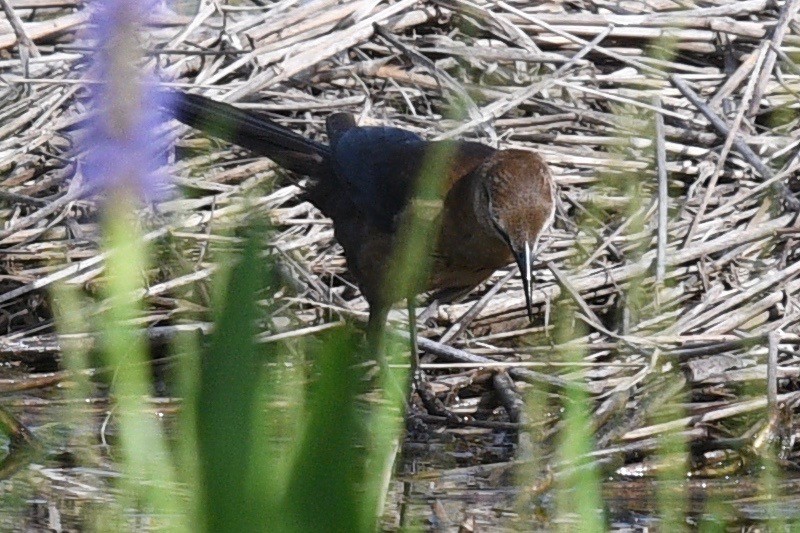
column 337, row 124
column 381, row 166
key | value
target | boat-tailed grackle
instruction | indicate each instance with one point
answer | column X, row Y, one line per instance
column 494, row 204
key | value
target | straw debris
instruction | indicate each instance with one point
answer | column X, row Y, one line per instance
column 681, row 112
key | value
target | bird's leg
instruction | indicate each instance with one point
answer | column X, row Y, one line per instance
column 376, row 328
column 376, row 334
column 419, row 382
column 376, row 344
column 412, row 334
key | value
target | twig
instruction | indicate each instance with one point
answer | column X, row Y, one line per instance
column 787, row 14
column 663, row 195
column 729, row 139
column 26, row 47
column 772, row 370
column 788, row 200
column 462, row 323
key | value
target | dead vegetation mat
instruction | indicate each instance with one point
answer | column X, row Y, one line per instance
column 680, row 111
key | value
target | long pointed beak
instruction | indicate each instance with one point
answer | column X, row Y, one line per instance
column 525, row 263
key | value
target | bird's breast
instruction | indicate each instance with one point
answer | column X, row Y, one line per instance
column 467, row 251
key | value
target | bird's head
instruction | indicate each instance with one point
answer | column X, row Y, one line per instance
column 522, row 200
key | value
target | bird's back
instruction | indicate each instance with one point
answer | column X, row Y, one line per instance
column 376, row 173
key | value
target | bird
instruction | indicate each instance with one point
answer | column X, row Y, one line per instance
column 488, row 207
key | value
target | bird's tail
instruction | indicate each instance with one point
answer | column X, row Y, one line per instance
column 251, row 130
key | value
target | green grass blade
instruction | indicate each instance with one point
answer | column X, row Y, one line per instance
column 227, row 405
column 323, row 492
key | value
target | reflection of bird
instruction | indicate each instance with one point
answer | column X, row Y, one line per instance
column 491, row 206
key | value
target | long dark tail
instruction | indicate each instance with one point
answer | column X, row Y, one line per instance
column 252, row 130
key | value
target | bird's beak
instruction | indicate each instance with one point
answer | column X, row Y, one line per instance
column 525, row 263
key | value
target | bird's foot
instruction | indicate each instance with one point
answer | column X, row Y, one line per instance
column 433, row 405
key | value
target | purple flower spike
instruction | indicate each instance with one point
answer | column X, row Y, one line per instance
column 123, row 153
